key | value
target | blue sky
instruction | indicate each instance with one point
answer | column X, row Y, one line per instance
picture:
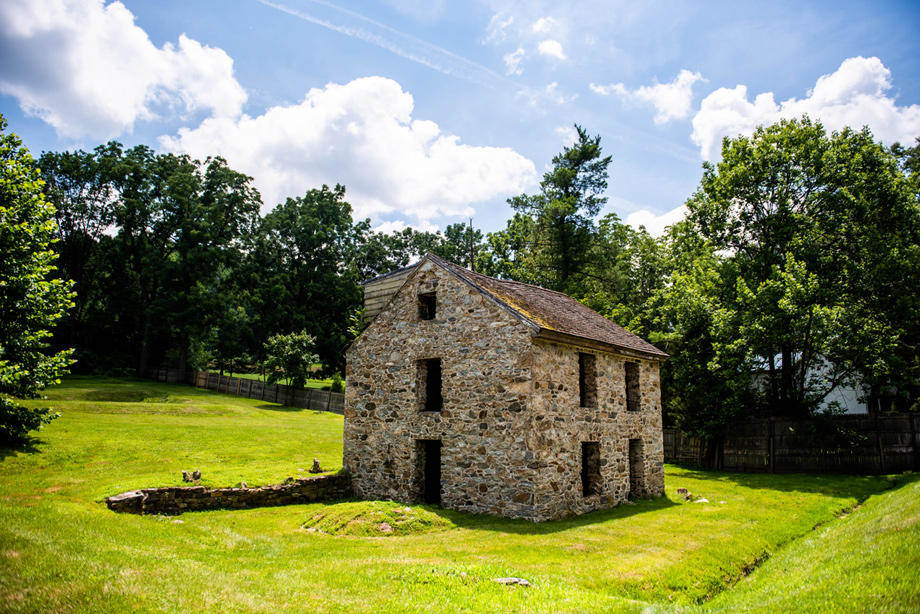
column 434, row 112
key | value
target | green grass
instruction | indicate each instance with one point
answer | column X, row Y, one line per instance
column 376, row 519
column 62, row 550
column 867, row 560
column 319, row 384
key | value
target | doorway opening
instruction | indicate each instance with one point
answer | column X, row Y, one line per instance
column 428, row 455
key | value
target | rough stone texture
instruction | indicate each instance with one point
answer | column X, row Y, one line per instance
column 178, row 499
column 511, row 426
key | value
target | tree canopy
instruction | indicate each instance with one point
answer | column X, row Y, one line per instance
column 31, row 299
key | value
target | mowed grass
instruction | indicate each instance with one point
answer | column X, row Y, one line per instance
column 62, row 550
column 319, row 384
column 865, row 561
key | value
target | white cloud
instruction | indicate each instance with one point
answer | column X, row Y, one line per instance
column 671, row 100
column 497, row 30
column 551, row 48
column 388, row 227
column 540, row 98
column 656, row 223
column 854, row 95
column 543, row 25
column 513, row 61
column 400, row 225
column 361, row 134
column 88, row 70
column 568, row 134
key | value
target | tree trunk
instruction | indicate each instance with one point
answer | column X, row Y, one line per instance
column 144, row 356
column 788, row 395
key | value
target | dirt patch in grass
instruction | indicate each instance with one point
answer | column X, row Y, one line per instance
column 376, row 519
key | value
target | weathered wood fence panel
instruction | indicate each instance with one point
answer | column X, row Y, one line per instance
column 308, row 398
column 836, row 444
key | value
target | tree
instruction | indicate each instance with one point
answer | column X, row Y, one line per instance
column 154, row 242
column 304, row 266
column 822, row 234
column 31, row 301
column 290, row 358
column 571, row 195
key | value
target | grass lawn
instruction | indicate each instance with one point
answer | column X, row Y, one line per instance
column 62, row 550
column 320, row 384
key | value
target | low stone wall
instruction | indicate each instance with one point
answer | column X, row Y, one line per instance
column 178, row 499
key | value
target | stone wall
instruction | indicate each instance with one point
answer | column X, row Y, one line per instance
column 178, row 499
column 560, row 426
column 486, row 356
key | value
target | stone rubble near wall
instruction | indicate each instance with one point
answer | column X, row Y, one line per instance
column 511, row 427
column 178, row 499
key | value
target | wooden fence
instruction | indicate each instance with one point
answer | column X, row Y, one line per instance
column 307, row 398
column 838, row 444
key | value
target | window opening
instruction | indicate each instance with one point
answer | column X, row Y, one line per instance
column 428, row 385
column 590, row 468
column 587, row 380
column 636, row 467
column 427, row 306
column 632, row 386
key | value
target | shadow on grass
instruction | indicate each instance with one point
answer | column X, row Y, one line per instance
column 28, row 446
column 858, row 486
column 288, row 408
column 484, row 522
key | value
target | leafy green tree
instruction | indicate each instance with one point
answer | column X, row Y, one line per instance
column 625, row 269
column 821, row 233
column 703, row 390
column 290, row 358
column 304, row 266
column 571, row 195
column 154, row 242
column 31, row 301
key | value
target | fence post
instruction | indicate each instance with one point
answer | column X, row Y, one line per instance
column 879, row 447
column 913, row 441
column 772, row 446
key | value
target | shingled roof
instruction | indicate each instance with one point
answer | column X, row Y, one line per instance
column 555, row 315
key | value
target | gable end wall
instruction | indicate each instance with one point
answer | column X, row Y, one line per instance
column 486, row 360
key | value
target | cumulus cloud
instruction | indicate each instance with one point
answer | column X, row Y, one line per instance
column 513, row 61
column 361, row 134
column 656, row 223
column 543, row 25
column 671, row 100
column 551, row 48
column 88, row 70
column 854, row 95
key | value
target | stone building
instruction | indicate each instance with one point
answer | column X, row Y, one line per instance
column 499, row 397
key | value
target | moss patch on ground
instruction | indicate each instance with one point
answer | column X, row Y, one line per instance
column 376, row 519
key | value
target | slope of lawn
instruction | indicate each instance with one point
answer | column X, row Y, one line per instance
column 865, row 561
column 62, row 550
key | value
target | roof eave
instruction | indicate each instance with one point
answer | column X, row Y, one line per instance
column 554, row 335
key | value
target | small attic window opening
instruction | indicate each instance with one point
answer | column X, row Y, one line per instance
column 427, row 306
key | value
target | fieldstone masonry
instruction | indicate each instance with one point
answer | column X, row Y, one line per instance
column 511, row 426
column 178, row 499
